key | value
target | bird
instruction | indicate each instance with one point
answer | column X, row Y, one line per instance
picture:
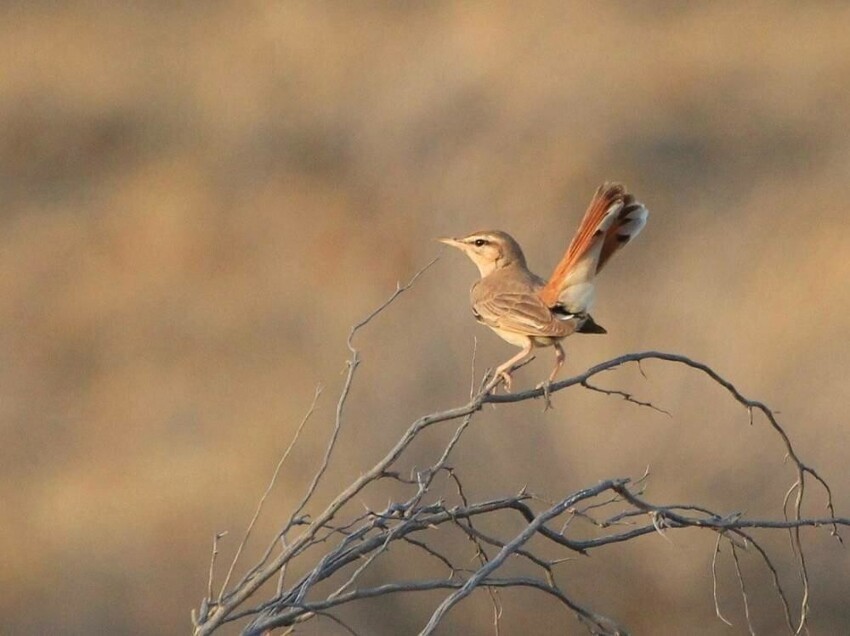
column 528, row 311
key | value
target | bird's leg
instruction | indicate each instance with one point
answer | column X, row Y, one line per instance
column 559, row 362
column 503, row 372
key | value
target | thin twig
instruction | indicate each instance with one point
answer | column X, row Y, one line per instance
column 353, row 362
column 628, row 397
column 743, row 586
column 714, row 580
column 268, row 490
column 213, row 556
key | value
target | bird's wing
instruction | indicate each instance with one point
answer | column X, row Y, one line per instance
column 519, row 312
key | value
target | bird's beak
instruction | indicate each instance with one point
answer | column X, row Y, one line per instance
column 451, row 241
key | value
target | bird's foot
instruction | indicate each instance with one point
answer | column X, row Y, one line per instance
column 547, row 396
column 500, row 377
column 506, row 378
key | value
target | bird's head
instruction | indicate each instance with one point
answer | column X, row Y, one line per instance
column 489, row 250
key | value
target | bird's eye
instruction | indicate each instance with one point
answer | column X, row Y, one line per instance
column 480, row 242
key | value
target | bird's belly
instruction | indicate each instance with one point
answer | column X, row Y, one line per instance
column 516, row 339
column 545, row 341
column 521, row 340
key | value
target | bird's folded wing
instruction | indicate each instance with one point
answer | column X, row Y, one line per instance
column 522, row 313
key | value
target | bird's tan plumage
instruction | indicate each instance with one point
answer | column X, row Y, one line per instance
column 510, row 300
column 529, row 312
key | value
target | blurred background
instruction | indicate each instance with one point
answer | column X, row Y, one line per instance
column 199, row 199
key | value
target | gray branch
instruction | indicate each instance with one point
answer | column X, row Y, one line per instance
column 339, row 541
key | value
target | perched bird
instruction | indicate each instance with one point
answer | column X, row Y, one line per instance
column 528, row 311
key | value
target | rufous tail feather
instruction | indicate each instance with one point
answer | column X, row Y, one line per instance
column 613, row 218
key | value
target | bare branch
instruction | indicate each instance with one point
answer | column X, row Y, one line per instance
column 743, row 586
column 602, row 624
column 339, row 543
column 216, row 538
column 628, row 397
column 353, row 362
column 714, row 580
column 511, row 547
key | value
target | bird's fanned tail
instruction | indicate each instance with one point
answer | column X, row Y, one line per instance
column 613, row 218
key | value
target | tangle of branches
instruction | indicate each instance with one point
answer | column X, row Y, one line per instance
column 342, row 541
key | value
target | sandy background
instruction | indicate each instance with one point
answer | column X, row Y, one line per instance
column 198, row 199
